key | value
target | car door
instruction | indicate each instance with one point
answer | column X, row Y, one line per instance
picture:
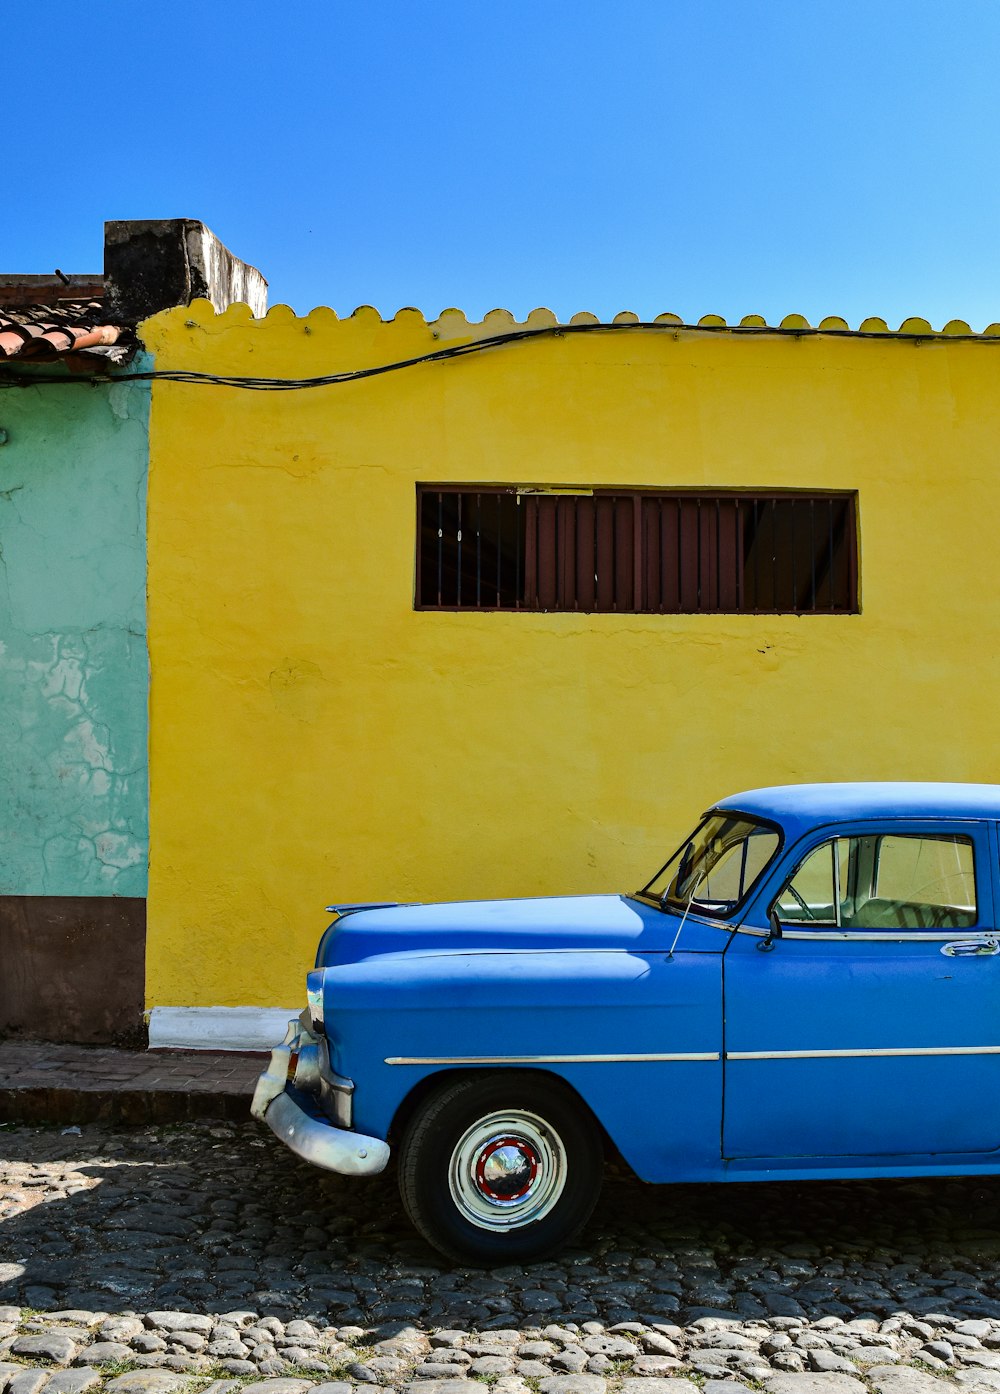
column 870, row 1027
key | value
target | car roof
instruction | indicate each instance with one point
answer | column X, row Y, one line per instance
column 798, row 807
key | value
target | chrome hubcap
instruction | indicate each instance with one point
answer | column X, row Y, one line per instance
column 508, row 1170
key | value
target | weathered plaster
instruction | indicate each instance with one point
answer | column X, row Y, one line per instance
column 315, row 739
column 73, row 665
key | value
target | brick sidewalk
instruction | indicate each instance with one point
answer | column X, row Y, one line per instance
column 84, row 1084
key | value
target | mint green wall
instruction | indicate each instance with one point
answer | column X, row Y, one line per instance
column 73, row 665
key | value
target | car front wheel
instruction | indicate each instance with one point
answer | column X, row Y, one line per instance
column 501, row 1168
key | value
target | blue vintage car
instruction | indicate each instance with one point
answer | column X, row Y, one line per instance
column 809, row 987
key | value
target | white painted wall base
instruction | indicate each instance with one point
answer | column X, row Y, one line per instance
column 218, row 1028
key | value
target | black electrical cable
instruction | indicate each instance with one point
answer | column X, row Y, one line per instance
column 554, row 331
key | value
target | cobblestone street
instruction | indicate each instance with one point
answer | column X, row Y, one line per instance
column 176, row 1257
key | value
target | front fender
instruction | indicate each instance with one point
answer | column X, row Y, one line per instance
column 637, row 1035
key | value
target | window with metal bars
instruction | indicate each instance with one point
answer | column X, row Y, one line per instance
column 635, row 552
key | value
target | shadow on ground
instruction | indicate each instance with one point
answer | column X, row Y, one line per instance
column 217, row 1217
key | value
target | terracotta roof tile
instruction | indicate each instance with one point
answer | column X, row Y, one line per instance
column 75, row 332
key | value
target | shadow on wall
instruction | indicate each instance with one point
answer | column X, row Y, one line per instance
column 214, row 1218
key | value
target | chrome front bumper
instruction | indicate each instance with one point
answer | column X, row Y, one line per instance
column 312, row 1139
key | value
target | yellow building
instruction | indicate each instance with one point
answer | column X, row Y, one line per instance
column 727, row 557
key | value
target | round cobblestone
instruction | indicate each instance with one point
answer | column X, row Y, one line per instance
column 204, row 1257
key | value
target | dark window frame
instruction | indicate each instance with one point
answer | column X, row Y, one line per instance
column 718, row 571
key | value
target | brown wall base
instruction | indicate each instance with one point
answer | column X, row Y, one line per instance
column 72, row 968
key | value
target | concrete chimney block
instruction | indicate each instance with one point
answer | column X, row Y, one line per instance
column 155, row 264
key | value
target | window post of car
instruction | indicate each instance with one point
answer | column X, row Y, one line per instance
column 837, row 888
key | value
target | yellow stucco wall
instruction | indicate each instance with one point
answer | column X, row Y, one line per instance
column 313, row 738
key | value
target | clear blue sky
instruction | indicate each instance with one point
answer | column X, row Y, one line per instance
column 697, row 156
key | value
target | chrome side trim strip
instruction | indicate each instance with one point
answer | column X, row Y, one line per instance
column 689, row 1056
column 546, row 1059
column 880, row 936
column 865, row 1052
column 887, row 936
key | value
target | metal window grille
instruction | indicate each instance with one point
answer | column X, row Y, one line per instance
column 637, row 552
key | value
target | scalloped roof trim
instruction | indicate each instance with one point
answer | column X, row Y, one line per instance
column 454, row 322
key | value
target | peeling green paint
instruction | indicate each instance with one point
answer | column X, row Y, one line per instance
column 73, row 661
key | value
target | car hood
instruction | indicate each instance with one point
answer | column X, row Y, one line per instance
column 497, row 926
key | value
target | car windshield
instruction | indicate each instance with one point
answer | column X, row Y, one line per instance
column 715, row 869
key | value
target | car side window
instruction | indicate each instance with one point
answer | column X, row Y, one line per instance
column 815, row 893
column 923, row 883
column 884, row 882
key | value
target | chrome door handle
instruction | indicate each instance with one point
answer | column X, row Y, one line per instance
column 971, row 948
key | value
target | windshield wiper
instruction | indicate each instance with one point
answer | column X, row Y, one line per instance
column 683, row 873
